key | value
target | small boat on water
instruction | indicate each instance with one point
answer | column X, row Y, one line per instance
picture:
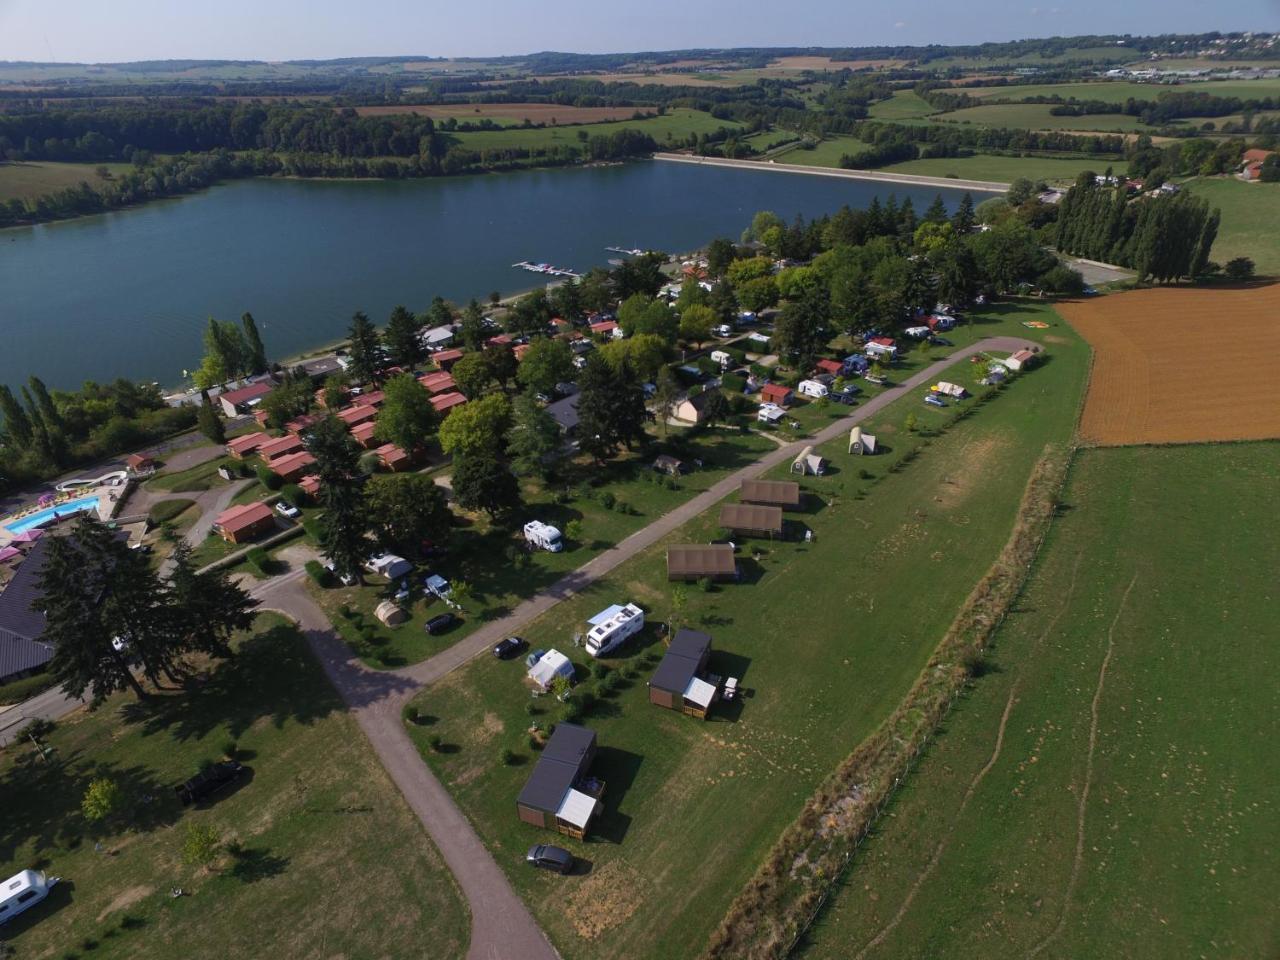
column 546, row 268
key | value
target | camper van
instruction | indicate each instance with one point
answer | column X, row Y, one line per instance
column 722, row 358
column 543, row 536
column 812, row 388
column 611, row 627
column 22, row 891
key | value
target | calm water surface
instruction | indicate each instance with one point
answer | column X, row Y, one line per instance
column 128, row 293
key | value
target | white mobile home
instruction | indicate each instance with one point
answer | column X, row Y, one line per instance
column 812, row 388
column 22, row 891
column 543, row 536
column 720, row 357
column 612, row 627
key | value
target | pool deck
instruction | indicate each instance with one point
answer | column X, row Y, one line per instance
column 110, row 498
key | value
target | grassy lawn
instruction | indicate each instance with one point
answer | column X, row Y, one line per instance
column 1036, row 116
column 827, row 153
column 203, row 476
column 500, row 573
column 1006, row 169
column 316, row 811
column 677, row 124
column 1250, row 212
column 827, row 636
column 1169, row 553
column 26, row 181
column 903, row 105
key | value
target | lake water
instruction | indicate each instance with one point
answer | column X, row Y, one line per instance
column 128, row 293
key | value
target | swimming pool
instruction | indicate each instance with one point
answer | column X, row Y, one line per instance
column 40, row 518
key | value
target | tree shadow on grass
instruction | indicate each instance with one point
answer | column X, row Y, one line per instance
column 273, row 674
column 251, row 864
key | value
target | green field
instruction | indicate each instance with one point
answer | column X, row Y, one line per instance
column 317, row 812
column 824, row 645
column 677, row 124
column 827, row 153
column 1160, row 571
column 903, row 105
column 1250, row 213
column 1036, row 116
column 1118, row 91
column 1005, row 169
column 26, row 181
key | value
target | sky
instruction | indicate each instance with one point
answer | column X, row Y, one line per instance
column 121, row 30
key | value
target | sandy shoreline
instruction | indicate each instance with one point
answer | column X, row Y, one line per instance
column 985, row 186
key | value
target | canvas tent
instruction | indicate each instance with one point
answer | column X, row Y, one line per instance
column 390, row 613
column 861, row 443
column 771, row 493
column 695, row 561
column 752, row 518
column 547, row 667
column 808, row 462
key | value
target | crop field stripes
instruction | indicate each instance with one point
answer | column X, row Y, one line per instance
column 945, row 840
column 1077, row 861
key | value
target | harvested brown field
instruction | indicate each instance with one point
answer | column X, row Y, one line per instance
column 549, row 113
column 1181, row 365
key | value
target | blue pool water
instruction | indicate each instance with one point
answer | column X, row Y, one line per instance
column 44, row 516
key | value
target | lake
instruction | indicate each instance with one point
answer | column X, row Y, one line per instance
column 128, row 293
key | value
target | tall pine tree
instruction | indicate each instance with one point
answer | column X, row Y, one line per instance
column 255, row 352
column 344, row 525
column 363, row 347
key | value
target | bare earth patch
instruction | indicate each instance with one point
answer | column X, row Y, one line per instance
column 1181, row 365
column 606, row 899
column 126, row 898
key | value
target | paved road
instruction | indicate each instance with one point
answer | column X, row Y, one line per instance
column 501, row 925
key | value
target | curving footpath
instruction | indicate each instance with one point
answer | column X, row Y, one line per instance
column 909, row 179
column 501, row 925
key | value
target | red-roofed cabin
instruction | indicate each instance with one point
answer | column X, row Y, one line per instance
column 140, row 464
column 243, row 523
column 833, row 367
column 393, row 458
column 236, row 402
column 363, row 433
column 293, row 467
column 501, row 340
column 374, row 399
column 607, row 328
column 310, row 485
column 354, row 416
column 438, row 382
column 561, row 324
column 320, row 401
column 521, row 349
column 260, row 417
column 445, row 402
column 279, row 447
column 1255, row 155
column 300, row 425
column 241, row 447
column 1252, row 171
column 445, row 359
column 776, row 393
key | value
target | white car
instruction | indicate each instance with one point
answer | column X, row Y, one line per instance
column 287, row 510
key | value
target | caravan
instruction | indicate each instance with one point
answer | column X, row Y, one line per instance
column 22, row 891
column 812, row 388
column 543, row 536
column 613, row 626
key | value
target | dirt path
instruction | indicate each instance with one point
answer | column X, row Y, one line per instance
column 1082, row 807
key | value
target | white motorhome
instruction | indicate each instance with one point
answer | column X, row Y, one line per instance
column 22, row 891
column 812, row 388
column 543, row 536
column 611, row 627
column 722, row 358
column 917, row 333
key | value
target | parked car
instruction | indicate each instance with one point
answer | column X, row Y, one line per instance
column 508, row 648
column 440, row 623
column 941, row 342
column 934, row 400
column 287, row 510
column 547, row 857
column 209, row 781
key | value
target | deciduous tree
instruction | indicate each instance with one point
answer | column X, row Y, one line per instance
column 479, row 426
column 534, row 444
column 406, row 417
column 545, row 363
column 406, row 509
column 482, row 482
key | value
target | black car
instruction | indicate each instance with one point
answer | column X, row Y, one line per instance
column 441, row 623
column 550, row 858
column 209, row 781
column 509, row 648
column 941, row 342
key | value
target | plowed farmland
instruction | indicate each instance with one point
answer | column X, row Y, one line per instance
column 1181, row 366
